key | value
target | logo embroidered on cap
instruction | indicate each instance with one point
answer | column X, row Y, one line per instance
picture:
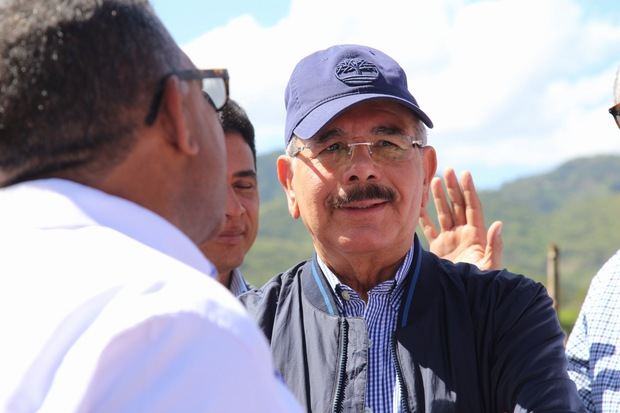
column 356, row 72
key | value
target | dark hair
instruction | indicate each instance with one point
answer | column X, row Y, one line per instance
column 76, row 80
column 234, row 119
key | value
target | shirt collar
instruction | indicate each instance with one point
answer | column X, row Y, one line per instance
column 401, row 272
column 68, row 204
column 237, row 284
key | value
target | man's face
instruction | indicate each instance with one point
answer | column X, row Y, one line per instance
column 205, row 184
column 228, row 248
column 368, row 225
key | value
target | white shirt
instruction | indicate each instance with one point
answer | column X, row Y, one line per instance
column 105, row 307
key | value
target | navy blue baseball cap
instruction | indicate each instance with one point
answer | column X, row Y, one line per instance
column 329, row 81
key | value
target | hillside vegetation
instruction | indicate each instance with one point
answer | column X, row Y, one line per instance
column 576, row 207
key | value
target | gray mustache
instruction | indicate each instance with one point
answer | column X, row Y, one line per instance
column 363, row 193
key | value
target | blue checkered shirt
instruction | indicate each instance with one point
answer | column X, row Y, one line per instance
column 593, row 348
column 238, row 285
column 381, row 315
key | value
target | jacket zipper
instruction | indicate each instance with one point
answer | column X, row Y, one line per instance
column 342, row 366
column 404, row 402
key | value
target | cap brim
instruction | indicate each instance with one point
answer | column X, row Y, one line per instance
column 319, row 117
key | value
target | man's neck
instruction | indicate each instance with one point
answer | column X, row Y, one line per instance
column 225, row 277
column 362, row 273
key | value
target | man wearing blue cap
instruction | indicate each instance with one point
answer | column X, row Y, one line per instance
column 372, row 322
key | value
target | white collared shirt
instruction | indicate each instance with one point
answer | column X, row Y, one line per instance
column 105, row 306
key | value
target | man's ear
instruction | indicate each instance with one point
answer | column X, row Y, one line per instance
column 285, row 176
column 174, row 116
column 429, row 162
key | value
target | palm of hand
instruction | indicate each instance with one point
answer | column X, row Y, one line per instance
column 461, row 244
column 461, row 236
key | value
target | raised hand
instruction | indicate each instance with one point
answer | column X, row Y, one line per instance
column 462, row 236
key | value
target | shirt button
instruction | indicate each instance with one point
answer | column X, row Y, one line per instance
column 369, row 343
column 346, row 296
column 368, row 410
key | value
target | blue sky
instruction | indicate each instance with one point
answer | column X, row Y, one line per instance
column 188, row 19
column 514, row 87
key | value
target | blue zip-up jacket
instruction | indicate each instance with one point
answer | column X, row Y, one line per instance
column 467, row 341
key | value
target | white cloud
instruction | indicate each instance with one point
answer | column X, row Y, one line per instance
column 508, row 82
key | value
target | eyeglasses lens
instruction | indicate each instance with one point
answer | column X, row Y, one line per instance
column 215, row 89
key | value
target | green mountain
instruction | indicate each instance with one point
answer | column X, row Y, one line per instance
column 281, row 241
column 576, row 207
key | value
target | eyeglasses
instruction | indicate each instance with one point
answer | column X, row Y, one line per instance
column 214, row 88
column 615, row 112
column 382, row 148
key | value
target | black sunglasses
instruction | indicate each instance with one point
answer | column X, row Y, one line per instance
column 615, row 112
column 214, row 88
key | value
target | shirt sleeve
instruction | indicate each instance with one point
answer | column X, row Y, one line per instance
column 591, row 348
column 529, row 361
column 578, row 355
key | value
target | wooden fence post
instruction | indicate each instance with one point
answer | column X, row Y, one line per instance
column 553, row 275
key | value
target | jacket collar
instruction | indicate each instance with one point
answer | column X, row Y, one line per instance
column 317, row 291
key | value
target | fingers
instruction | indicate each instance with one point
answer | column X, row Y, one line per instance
column 495, row 247
column 444, row 212
column 430, row 232
column 461, row 206
column 456, row 197
column 473, row 207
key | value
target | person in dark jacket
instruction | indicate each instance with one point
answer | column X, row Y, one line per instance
column 372, row 322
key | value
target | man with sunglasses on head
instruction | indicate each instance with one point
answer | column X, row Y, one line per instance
column 593, row 347
column 373, row 322
column 228, row 248
column 112, row 167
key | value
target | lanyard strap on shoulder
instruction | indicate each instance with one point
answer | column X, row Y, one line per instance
column 417, row 261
